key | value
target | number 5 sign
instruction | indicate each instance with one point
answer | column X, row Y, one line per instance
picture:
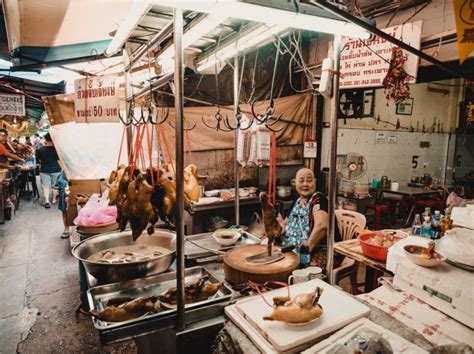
column 96, row 99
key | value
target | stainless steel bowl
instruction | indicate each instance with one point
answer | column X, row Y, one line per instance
column 111, row 273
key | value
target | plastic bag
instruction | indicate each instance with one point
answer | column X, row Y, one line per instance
column 96, row 212
column 244, row 138
column 458, row 245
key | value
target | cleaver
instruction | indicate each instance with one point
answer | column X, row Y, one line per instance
column 263, row 258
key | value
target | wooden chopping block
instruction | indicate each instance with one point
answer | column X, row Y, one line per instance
column 237, row 271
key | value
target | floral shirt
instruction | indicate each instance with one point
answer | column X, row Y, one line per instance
column 299, row 220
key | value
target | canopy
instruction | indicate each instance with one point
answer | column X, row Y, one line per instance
column 57, row 31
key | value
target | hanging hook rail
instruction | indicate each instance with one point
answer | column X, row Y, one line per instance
column 267, row 118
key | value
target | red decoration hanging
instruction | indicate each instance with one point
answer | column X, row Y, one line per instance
column 396, row 81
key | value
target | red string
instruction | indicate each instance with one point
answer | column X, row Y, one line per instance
column 257, row 286
column 121, row 147
column 150, row 154
column 272, row 171
column 131, row 150
column 167, row 148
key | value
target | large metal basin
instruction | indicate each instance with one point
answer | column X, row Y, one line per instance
column 110, row 273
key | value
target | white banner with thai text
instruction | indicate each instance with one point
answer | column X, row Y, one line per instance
column 96, row 99
column 12, row 104
column 366, row 63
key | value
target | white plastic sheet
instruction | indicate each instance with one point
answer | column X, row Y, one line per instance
column 89, row 151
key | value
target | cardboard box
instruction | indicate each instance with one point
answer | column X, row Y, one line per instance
column 81, row 186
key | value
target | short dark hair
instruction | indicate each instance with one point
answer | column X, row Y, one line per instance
column 47, row 137
column 3, row 131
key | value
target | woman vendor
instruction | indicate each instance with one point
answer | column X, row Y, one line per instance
column 4, row 153
column 309, row 219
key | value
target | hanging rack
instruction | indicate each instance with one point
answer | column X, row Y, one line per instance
column 221, row 122
column 267, row 118
column 238, row 112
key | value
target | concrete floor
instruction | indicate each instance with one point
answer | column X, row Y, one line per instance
column 40, row 289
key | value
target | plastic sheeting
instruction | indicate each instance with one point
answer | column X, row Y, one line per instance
column 88, row 151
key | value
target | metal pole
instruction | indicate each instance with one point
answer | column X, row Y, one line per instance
column 336, row 47
column 236, row 136
column 360, row 22
column 179, row 207
column 160, row 36
column 127, row 105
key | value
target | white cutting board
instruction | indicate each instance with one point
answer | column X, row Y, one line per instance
column 339, row 309
column 255, row 336
column 398, row 344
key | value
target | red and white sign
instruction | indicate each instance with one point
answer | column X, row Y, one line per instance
column 363, row 66
column 96, row 99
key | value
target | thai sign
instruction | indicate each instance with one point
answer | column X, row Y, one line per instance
column 464, row 15
column 366, row 63
column 96, row 99
column 12, row 104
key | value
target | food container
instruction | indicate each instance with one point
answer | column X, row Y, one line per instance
column 283, row 191
column 212, row 193
column 374, row 251
column 116, row 272
column 413, row 253
column 226, row 237
column 97, row 229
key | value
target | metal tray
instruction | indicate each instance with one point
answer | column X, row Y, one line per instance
column 153, row 285
column 192, row 251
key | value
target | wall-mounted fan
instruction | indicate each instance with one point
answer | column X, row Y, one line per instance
column 352, row 166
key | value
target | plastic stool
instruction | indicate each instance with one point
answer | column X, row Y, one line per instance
column 379, row 211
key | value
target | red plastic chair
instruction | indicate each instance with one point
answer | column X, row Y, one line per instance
column 380, row 210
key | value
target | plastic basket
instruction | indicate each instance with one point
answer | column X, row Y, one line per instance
column 373, row 251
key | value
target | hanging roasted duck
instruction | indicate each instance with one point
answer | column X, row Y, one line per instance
column 196, row 290
column 163, row 198
column 191, row 185
column 138, row 208
column 302, row 308
column 273, row 230
column 114, row 181
column 122, row 198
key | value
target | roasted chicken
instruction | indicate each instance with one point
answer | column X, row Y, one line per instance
column 164, row 198
column 301, row 309
column 121, row 199
column 128, row 310
column 273, row 229
column 138, row 208
column 191, row 185
column 197, row 290
column 114, row 181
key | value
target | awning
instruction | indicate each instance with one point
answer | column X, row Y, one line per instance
column 52, row 32
column 33, row 91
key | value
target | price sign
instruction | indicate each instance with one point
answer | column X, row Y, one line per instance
column 309, row 151
column 12, row 104
column 96, row 99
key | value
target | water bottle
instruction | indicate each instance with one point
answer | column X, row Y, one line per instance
column 436, row 226
column 426, row 227
column 304, row 254
column 416, row 226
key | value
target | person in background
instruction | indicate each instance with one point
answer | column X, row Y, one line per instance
column 309, row 219
column 62, row 185
column 4, row 153
column 37, row 142
column 48, row 158
column 28, row 141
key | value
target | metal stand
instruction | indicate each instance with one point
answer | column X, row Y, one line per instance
column 236, row 136
column 332, row 162
column 178, row 104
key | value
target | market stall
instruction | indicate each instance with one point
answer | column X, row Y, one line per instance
column 164, row 288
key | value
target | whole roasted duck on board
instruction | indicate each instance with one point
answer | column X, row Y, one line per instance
column 196, row 290
column 303, row 308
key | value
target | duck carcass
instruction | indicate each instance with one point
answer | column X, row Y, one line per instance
column 302, row 308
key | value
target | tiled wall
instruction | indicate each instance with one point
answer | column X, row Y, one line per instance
column 392, row 159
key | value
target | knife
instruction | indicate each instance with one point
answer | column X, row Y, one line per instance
column 263, row 258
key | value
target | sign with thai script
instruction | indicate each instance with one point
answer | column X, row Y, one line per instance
column 12, row 104
column 464, row 15
column 96, row 99
column 366, row 63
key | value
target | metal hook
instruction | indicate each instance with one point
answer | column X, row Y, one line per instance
column 238, row 119
column 188, row 127
column 267, row 118
column 220, row 122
